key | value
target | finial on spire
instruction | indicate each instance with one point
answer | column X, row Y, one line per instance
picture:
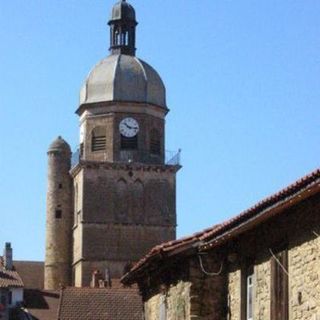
column 123, row 29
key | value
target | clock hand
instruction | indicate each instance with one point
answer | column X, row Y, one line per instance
column 129, row 127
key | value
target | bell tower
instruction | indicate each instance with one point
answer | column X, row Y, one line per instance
column 124, row 189
column 123, row 29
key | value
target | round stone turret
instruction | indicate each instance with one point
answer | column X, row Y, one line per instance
column 59, row 145
column 59, row 216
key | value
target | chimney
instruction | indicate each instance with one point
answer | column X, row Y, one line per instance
column 96, row 277
column 7, row 256
column 107, row 278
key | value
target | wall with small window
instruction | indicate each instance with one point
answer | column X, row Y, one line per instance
column 169, row 302
column 183, row 290
column 270, row 271
column 283, row 280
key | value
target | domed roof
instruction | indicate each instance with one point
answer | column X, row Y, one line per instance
column 123, row 11
column 123, row 78
column 59, row 145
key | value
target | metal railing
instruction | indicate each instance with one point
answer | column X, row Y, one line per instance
column 171, row 158
column 75, row 158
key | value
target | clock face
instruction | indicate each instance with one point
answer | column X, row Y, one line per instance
column 129, row 127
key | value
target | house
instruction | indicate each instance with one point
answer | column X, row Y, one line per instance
column 11, row 285
column 262, row 264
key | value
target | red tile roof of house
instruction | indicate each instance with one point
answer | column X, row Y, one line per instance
column 213, row 236
column 100, row 304
column 265, row 209
column 31, row 273
column 9, row 278
column 168, row 249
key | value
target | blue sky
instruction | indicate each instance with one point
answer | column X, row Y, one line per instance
column 242, row 82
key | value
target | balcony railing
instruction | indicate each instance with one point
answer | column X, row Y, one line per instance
column 172, row 158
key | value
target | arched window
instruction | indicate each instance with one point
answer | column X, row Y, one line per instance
column 98, row 139
column 117, row 38
column 126, row 38
column 155, row 142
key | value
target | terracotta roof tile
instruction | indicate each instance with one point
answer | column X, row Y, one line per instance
column 264, row 206
column 9, row 278
column 170, row 246
column 31, row 273
column 309, row 181
column 100, row 304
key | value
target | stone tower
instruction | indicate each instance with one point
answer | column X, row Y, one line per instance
column 59, row 216
column 124, row 191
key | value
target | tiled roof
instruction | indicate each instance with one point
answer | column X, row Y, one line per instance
column 170, row 248
column 206, row 238
column 100, row 304
column 41, row 305
column 266, row 208
column 9, row 278
column 31, row 273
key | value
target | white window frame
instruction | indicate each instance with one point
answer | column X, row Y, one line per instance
column 249, row 302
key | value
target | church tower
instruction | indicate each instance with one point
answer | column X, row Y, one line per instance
column 125, row 193
column 124, row 188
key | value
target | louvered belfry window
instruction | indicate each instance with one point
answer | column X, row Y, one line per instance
column 98, row 140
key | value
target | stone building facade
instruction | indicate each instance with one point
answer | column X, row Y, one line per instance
column 116, row 200
column 263, row 264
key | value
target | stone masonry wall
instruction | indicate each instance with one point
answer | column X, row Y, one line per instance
column 262, row 280
column 304, row 269
column 298, row 230
column 208, row 292
column 58, row 221
column 187, row 295
column 176, row 302
column 234, row 286
column 218, row 297
column 121, row 213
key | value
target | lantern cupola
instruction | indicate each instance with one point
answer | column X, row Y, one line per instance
column 123, row 29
